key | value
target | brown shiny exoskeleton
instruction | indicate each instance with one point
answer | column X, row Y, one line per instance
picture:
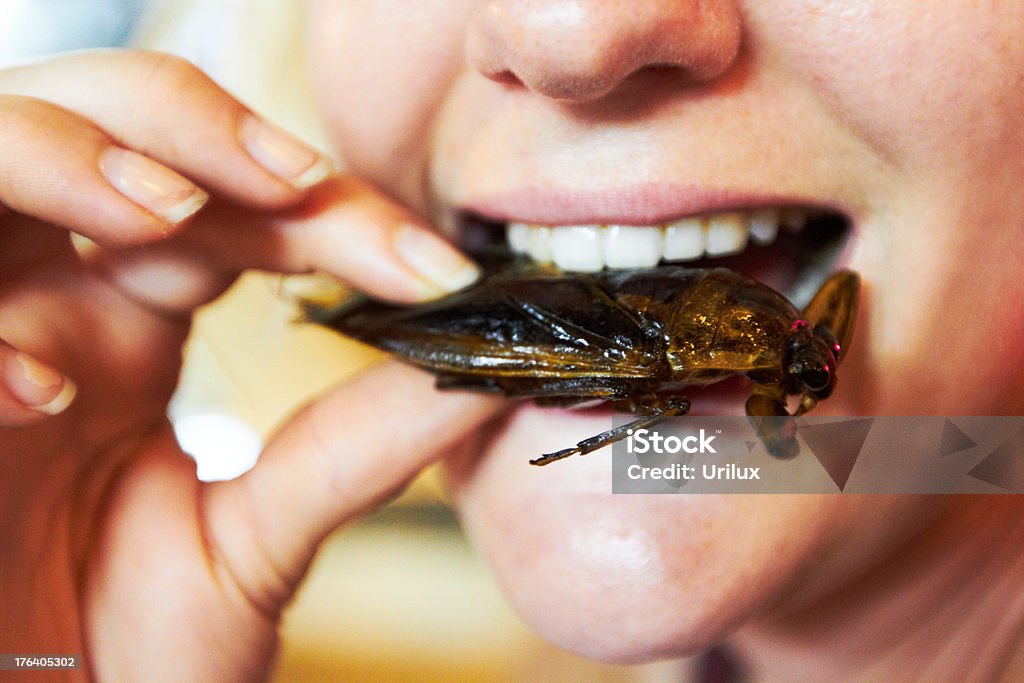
column 635, row 338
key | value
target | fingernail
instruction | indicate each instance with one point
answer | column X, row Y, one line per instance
column 319, row 289
column 38, row 386
column 151, row 185
column 442, row 267
column 282, row 154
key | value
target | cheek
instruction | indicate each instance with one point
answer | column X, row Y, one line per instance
column 380, row 74
column 938, row 97
column 630, row 578
column 940, row 336
column 922, row 88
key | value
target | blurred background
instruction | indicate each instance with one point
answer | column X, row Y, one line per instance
column 398, row 596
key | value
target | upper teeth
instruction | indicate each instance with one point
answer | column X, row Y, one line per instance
column 593, row 247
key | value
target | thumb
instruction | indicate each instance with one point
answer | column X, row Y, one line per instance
column 335, row 459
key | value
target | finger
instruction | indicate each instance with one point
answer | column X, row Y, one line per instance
column 30, row 391
column 333, row 461
column 345, row 228
column 59, row 168
column 168, row 109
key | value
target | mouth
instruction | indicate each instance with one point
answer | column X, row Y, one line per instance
column 791, row 248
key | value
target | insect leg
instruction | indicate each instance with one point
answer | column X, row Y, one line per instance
column 670, row 408
column 575, row 387
column 649, row 404
column 546, row 391
column 807, row 403
column 567, row 401
column 774, row 425
column 470, row 382
column 568, row 392
column 572, row 388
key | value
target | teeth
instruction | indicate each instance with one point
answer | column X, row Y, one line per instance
column 685, row 240
column 578, row 247
column 727, row 234
column 517, row 235
column 589, row 248
column 628, row 246
column 764, row 226
column 538, row 243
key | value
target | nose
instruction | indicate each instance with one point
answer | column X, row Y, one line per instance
column 581, row 50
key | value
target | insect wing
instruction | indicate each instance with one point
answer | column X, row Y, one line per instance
column 512, row 327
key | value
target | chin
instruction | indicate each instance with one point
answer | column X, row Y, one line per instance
column 630, row 578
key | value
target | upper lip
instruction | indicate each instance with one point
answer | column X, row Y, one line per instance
column 646, row 204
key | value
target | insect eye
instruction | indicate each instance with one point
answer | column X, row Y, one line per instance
column 815, row 377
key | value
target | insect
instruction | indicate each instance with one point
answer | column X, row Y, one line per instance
column 635, row 338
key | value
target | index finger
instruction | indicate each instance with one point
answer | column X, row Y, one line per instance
column 167, row 109
column 345, row 228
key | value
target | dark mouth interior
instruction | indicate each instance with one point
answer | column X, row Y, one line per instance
column 795, row 264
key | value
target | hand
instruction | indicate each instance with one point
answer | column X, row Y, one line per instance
column 111, row 547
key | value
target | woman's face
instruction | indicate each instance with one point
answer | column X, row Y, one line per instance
column 906, row 120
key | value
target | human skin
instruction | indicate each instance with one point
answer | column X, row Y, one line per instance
column 112, row 549
column 908, row 121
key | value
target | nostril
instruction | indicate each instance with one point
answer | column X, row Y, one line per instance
column 505, row 77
